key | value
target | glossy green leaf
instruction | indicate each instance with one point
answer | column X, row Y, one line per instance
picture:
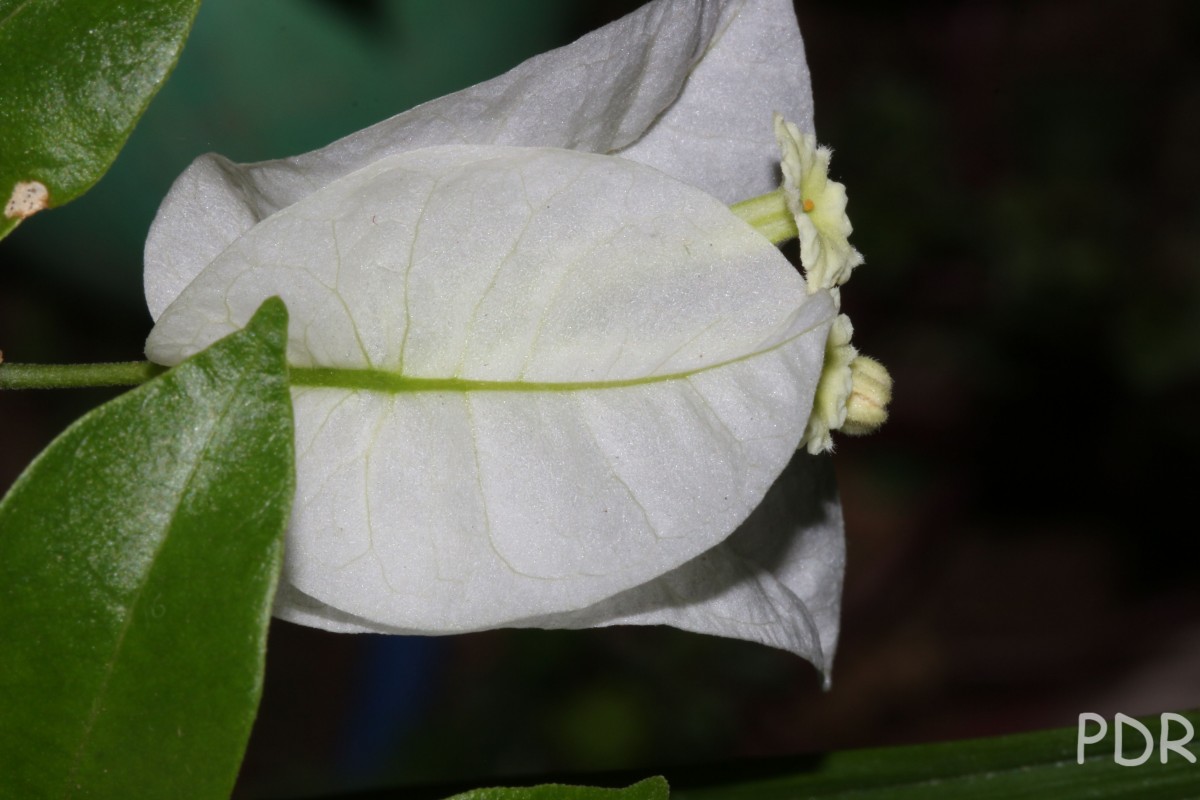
column 77, row 76
column 138, row 560
column 649, row 789
column 1032, row 765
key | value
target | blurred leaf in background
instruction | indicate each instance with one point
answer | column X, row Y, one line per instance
column 1041, row 764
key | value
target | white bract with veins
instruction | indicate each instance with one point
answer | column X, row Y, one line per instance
column 541, row 373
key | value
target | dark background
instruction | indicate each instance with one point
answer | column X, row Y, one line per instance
column 1023, row 182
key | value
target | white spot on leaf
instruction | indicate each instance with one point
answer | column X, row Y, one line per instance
column 28, row 198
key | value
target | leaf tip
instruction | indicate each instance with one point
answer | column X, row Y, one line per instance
column 271, row 320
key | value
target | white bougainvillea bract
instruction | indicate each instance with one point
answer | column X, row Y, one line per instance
column 542, row 375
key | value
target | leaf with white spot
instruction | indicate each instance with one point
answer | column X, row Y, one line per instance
column 77, row 78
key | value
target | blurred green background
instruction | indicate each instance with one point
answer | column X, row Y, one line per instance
column 1023, row 181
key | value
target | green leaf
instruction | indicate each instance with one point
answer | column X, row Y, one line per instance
column 1041, row 764
column 649, row 789
column 77, row 76
column 138, row 560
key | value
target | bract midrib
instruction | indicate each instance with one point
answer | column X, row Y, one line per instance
column 386, row 381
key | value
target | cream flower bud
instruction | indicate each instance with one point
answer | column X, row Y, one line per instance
column 870, row 394
column 853, row 394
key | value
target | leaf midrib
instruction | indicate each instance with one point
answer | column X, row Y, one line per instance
column 138, row 593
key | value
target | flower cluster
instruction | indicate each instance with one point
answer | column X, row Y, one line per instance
column 854, row 390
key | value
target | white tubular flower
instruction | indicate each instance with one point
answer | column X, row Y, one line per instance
column 541, row 373
column 819, row 206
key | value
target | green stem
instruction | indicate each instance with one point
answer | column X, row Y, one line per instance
column 74, row 376
column 769, row 215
